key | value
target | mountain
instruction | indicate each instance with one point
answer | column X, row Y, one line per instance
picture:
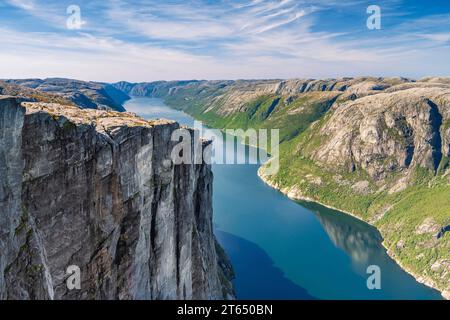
column 92, row 95
column 376, row 148
column 8, row 89
column 93, row 189
column 151, row 89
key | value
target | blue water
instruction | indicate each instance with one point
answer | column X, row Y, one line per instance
column 281, row 249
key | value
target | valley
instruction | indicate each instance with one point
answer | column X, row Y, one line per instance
column 373, row 147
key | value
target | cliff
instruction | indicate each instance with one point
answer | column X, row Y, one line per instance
column 94, row 189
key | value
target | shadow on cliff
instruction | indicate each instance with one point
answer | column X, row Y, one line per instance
column 256, row 275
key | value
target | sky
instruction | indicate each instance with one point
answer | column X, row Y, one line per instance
column 137, row 40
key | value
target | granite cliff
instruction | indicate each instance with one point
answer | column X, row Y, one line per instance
column 95, row 189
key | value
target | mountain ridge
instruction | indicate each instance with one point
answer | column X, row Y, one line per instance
column 85, row 94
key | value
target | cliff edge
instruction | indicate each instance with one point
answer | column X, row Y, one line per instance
column 95, row 190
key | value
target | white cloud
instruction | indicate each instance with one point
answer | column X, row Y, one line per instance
column 438, row 37
column 228, row 39
column 195, row 23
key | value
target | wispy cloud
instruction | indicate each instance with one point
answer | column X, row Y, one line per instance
column 439, row 37
column 23, row 4
column 147, row 40
column 49, row 15
column 195, row 21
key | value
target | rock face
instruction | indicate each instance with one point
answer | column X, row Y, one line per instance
column 388, row 132
column 151, row 89
column 94, row 189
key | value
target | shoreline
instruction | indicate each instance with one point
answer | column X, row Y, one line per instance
column 419, row 278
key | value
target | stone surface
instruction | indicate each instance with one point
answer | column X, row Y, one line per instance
column 92, row 188
column 388, row 132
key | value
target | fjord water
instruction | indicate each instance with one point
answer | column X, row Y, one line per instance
column 281, row 249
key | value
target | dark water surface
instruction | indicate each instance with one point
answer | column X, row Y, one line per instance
column 281, row 249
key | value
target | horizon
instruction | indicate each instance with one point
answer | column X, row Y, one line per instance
column 239, row 79
column 138, row 40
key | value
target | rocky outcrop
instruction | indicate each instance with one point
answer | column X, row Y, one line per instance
column 388, row 132
column 30, row 94
column 85, row 94
column 97, row 190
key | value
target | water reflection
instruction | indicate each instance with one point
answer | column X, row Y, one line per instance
column 356, row 238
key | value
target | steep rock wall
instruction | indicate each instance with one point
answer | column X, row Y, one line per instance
column 95, row 189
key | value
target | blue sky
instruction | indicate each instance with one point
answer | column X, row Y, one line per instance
column 139, row 40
